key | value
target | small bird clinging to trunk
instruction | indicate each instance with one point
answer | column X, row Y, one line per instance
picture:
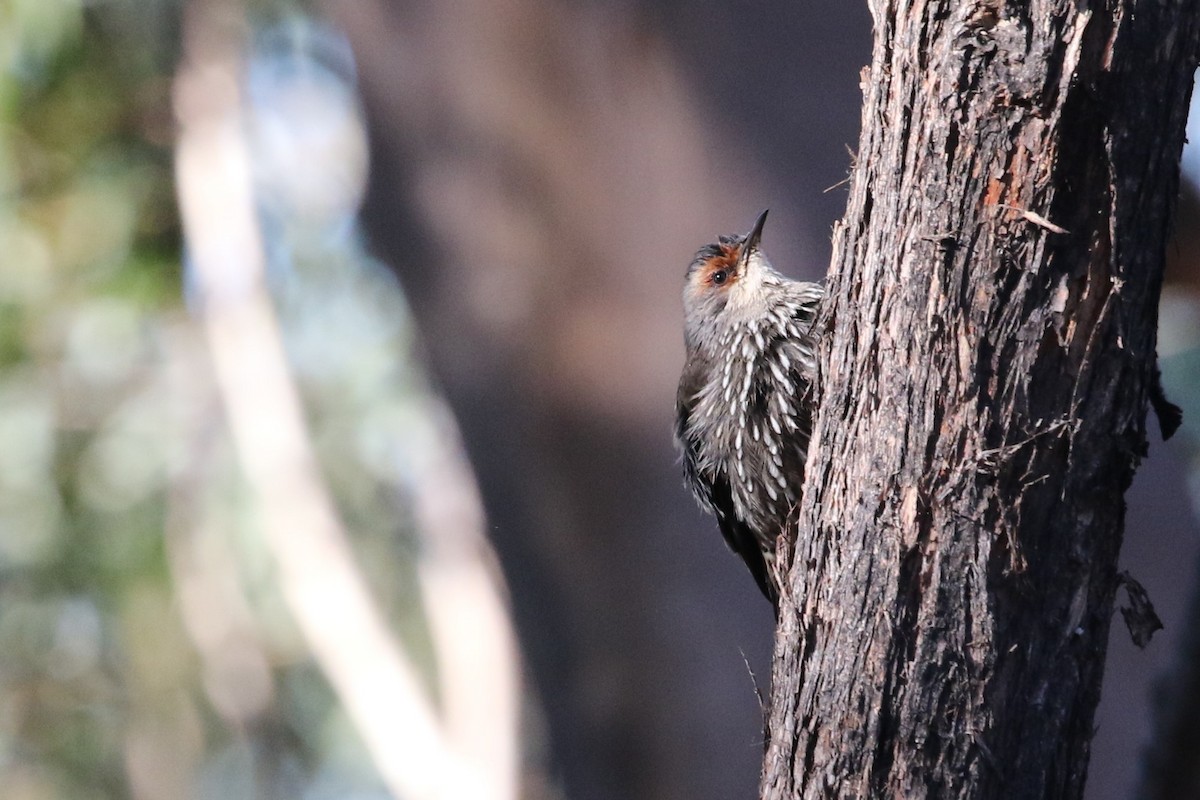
column 744, row 410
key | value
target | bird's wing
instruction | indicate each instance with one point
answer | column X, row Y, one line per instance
column 741, row 539
column 713, row 491
column 685, row 403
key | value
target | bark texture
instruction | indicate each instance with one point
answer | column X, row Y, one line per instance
column 988, row 362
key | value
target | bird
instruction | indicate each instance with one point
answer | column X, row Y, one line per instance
column 744, row 407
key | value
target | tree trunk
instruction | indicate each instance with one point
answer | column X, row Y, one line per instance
column 988, row 359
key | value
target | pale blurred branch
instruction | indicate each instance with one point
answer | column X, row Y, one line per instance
column 473, row 634
column 472, row 755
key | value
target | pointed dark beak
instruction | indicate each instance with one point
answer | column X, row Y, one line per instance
column 752, row 238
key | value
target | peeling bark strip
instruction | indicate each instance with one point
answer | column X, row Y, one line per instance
column 989, row 356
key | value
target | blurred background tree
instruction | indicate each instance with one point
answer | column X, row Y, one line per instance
column 539, row 175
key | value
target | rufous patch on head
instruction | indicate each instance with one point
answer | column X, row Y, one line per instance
column 725, row 260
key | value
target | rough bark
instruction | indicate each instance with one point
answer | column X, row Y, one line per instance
column 988, row 362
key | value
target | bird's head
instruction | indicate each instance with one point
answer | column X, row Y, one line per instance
column 724, row 277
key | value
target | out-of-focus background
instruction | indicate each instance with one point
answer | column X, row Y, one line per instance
column 338, row 344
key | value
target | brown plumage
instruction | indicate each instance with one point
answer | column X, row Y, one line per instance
column 744, row 410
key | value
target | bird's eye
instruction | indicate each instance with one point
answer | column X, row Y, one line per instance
column 719, row 277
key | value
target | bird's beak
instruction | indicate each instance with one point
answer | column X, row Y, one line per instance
column 752, row 239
